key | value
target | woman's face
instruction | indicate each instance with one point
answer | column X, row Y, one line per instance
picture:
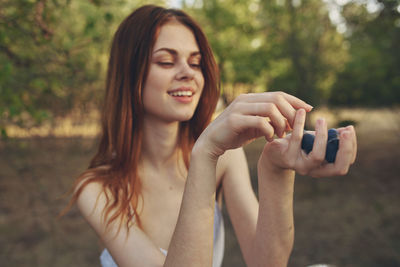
column 175, row 81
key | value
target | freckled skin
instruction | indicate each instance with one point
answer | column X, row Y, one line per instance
column 331, row 147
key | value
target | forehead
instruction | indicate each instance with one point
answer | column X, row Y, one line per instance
column 176, row 36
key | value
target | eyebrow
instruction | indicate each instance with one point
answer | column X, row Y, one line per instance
column 174, row 52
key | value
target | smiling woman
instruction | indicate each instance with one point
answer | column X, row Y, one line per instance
column 153, row 191
column 175, row 75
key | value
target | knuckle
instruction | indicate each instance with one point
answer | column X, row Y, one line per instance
column 260, row 121
column 270, row 107
column 279, row 98
column 343, row 171
column 290, row 162
column 296, row 137
column 302, row 171
column 241, row 96
column 237, row 105
column 317, row 156
column 231, row 120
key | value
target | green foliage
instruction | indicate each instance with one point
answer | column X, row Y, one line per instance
column 275, row 45
column 53, row 56
column 372, row 75
column 53, row 53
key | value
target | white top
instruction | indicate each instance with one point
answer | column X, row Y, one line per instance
column 106, row 259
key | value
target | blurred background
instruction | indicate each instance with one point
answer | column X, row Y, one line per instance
column 341, row 56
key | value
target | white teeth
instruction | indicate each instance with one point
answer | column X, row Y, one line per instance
column 181, row 93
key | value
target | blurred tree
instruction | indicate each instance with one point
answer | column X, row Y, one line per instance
column 274, row 45
column 307, row 50
column 53, row 55
column 372, row 75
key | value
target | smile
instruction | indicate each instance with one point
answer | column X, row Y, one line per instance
column 181, row 93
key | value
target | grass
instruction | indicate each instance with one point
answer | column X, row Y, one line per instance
column 345, row 221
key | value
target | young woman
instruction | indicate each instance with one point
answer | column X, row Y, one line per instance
column 152, row 191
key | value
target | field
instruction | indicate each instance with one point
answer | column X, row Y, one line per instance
column 345, row 221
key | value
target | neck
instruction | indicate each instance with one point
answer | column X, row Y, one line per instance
column 159, row 145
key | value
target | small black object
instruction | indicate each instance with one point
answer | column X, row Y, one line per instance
column 332, row 134
column 332, row 145
column 331, row 149
column 307, row 142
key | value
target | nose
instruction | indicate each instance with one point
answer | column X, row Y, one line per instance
column 185, row 71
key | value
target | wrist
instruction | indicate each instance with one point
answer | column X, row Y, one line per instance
column 201, row 150
column 266, row 168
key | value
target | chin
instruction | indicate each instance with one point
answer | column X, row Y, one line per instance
column 185, row 118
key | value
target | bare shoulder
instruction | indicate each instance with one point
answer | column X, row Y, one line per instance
column 91, row 201
column 128, row 247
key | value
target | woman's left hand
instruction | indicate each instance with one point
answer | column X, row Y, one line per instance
column 286, row 153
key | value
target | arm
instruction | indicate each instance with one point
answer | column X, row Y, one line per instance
column 133, row 248
column 266, row 237
column 276, row 178
column 245, row 119
column 264, row 229
column 192, row 242
column 241, row 122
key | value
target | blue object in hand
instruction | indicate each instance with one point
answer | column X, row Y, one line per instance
column 332, row 145
column 332, row 134
column 307, row 142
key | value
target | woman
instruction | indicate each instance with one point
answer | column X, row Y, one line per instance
column 151, row 192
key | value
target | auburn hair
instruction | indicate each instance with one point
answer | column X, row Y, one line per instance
column 115, row 165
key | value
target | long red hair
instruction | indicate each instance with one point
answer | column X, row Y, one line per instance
column 115, row 164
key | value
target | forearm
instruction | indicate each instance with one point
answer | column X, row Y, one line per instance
column 275, row 228
column 192, row 241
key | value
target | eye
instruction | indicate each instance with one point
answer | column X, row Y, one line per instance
column 165, row 63
column 195, row 65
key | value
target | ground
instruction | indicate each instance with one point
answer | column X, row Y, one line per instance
column 345, row 221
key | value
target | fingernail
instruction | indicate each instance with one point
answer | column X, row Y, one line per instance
column 320, row 121
column 310, row 107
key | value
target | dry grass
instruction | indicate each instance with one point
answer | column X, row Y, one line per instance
column 346, row 221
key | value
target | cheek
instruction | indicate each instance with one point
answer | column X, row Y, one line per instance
column 200, row 81
column 155, row 82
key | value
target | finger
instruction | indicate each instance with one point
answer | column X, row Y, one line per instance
column 343, row 159
column 266, row 110
column 268, row 96
column 297, row 103
column 283, row 101
column 285, row 108
column 297, row 133
column 255, row 125
column 351, row 129
column 354, row 138
column 317, row 155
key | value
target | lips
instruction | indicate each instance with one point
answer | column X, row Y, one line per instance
column 182, row 94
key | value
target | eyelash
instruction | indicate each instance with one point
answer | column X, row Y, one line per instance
column 170, row 64
column 165, row 63
column 197, row 66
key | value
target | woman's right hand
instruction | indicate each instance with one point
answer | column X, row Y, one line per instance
column 248, row 117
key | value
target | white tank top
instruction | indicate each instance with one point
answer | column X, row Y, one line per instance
column 106, row 259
